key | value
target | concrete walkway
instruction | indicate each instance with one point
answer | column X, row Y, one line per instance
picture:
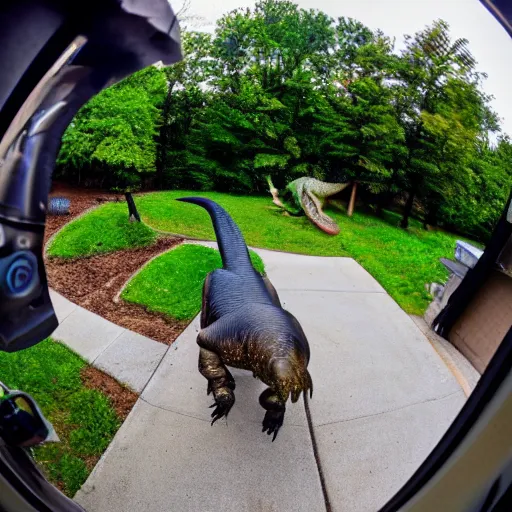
column 382, row 400
column 126, row 355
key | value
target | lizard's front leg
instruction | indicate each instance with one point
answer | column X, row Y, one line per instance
column 220, row 382
column 275, row 408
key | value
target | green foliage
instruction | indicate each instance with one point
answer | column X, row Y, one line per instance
column 107, row 229
column 288, row 92
column 476, row 202
column 445, row 116
column 97, row 429
column 83, row 418
column 112, row 139
column 172, row 283
column 270, row 161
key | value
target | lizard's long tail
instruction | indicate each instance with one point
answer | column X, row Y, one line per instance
column 233, row 249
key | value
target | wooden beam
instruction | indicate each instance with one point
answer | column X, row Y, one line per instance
column 352, row 201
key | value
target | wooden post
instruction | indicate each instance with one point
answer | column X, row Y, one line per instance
column 352, row 201
column 132, row 209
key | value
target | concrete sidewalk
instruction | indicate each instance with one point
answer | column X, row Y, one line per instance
column 126, row 355
column 382, row 400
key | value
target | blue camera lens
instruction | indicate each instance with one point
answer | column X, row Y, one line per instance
column 20, row 274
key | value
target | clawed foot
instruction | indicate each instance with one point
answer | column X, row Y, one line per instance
column 272, row 422
column 223, row 403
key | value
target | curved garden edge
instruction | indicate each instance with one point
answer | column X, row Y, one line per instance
column 93, row 283
column 117, row 297
column 77, row 217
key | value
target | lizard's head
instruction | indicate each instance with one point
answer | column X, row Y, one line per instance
column 290, row 376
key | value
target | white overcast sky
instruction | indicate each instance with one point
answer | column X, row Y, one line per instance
column 489, row 43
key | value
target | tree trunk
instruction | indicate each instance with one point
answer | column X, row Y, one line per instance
column 161, row 160
column 383, row 201
column 352, row 201
column 431, row 217
column 132, row 209
column 408, row 210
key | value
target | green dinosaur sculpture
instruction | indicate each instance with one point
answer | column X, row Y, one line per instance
column 243, row 325
column 308, row 196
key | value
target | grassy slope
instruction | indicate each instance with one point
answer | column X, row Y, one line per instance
column 402, row 261
column 105, row 230
column 83, row 418
column 173, row 282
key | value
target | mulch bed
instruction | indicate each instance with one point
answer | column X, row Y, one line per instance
column 94, row 283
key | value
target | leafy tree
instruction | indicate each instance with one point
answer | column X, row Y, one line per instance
column 112, row 140
column 480, row 198
column 289, row 92
column 362, row 138
column 185, row 98
column 432, row 70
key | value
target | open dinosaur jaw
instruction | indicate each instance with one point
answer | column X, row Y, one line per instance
column 313, row 210
column 322, row 221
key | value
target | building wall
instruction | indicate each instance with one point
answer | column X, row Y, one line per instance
column 486, row 320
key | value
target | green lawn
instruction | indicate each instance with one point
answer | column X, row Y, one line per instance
column 402, row 261
column 106, row 229
column 83, row 418
column 172, row 283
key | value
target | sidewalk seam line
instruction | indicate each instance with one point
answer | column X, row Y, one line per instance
column 201, row 419
column 55, row 309
column 171, row 411
column 64, row 318
column 316, row 455
column 390, row 410
column 175, row 346
column 111, row 343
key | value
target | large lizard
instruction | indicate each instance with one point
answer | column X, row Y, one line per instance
column 243, row 325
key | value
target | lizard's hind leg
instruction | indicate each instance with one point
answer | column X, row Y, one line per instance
column 274, row 416
column 220, row 382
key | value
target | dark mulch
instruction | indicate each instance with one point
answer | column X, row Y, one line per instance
column 95, row 282
column 122, row 398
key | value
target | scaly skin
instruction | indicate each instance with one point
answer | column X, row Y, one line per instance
column 244, row 326
column 309, row 195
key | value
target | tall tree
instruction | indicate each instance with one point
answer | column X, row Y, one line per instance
column 112, row 140
column 185, row 95
column 429, row 66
